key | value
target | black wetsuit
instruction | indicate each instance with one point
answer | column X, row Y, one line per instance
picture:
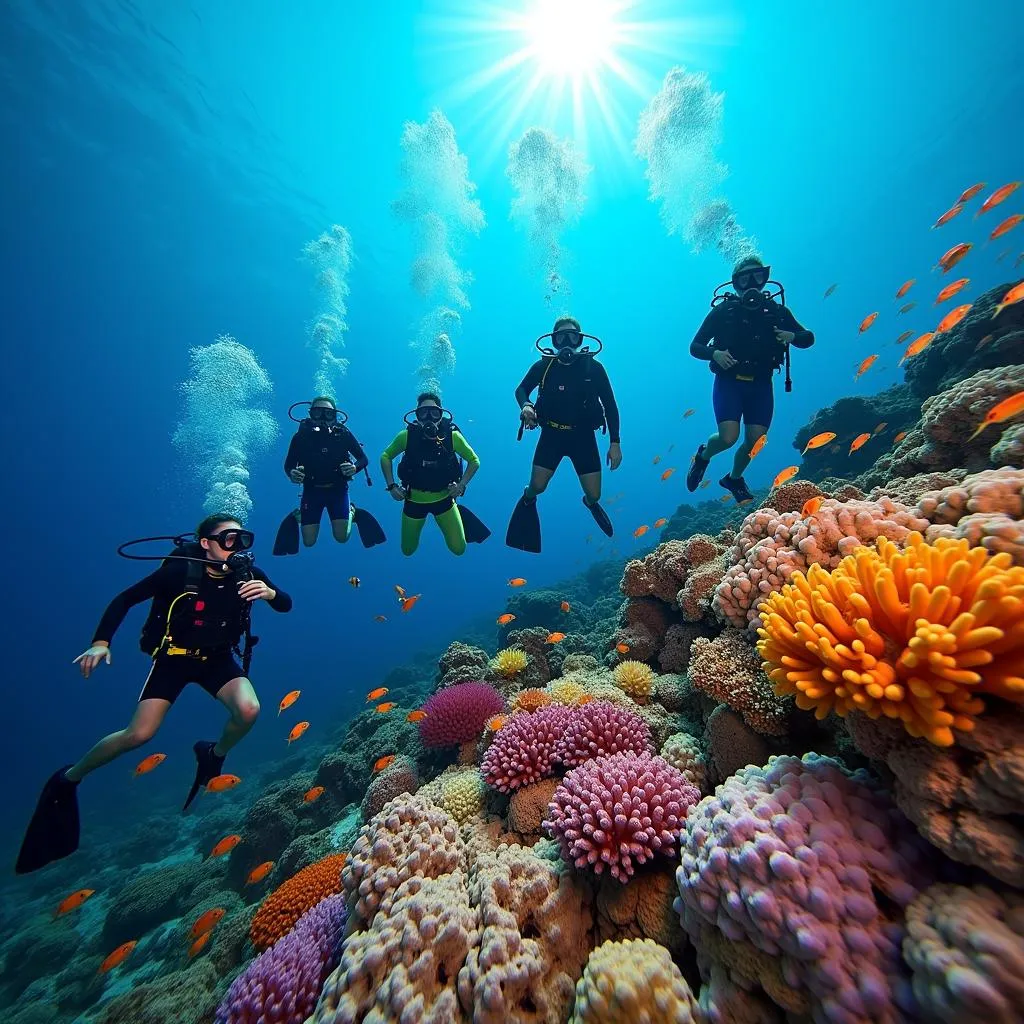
column 208, row 624
column 320, row 450
column 573, row 402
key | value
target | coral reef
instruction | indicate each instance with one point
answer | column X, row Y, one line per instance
column 460, row 663
column 529, row 805
column 401, row 776
column 525, row 749
column 634, row 678
column 282, row 908
column 683, row 752
column 510, row 662
column 600, row 728
column 458, row 713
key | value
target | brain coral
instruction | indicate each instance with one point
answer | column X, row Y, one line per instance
column 636, row 981
column 458, row 714
column 280, row 911
column 914, row 635
column 617, row 811
column 634, row 678
column 526, row 748
column 600, row 728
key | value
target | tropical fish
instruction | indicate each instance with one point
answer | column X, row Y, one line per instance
column 830, row 289
column 670, row 447
column 1002, row 256
column 952, row 318
column 906, row 308
column 226, row 845
column 147, row 764
column 1002, row 193
column 707, row 483
column 905, row 287
column 585, row 699
column 865, row 366
column 970, row 193
column 916, row 347
column 494, row 724
column 899, row 437
column 668, row 473
column 416, row 716
column 565, row 606
column 655, row 460
column 787, row 474
column 354, row 581
column 984, row 341
column 688, row 413
column 953, row 256
column 197, row 947
column 811, row 505
column 380, row 618
column 725, row 498
column 72, row 902
column 260, row 872
column 408, row 602
column 758, row 446
column 118, row 956
column 903, row 337
column 312, row 795
column 819, row 440
column 622, row 648
column 1014, row 295
column 881, row 426
column 554, row 638
column 949, row 215
column 951, row 289
column 383, row 709
column 504, row 620
column 640, row 530
column 373, row 695
column 297, row 730
column 517, row 581
column 1001, row 412
column 867, row 322
column 288, row 700
column 219, row 783
column 859, row 441
column 206, row 922
column 383, row 762
column 660, row 522
column 1006, row 226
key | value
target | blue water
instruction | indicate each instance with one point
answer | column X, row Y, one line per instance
column 163, row 166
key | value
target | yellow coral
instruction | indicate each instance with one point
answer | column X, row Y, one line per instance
column 913, row 634
column 510, row 662
column 462, row 794
column 530, row 700
column 566, row 691
column 634, row 678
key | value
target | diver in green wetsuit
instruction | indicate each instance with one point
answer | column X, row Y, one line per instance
column 432, row 476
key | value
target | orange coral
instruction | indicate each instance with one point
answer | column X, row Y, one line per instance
column 290, row 900
column 530, row 700
column 913, row 635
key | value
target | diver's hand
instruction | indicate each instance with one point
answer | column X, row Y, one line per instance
column 256, row 590
column 456, row 489
column 92, row 657
column 614, row 459
column 397, row 491
column 724, row 359
column 348, row 470
column 529, row 416
column 784, row 337
column 297, row 475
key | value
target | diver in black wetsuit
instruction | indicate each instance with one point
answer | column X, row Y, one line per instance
column 574, row 399
column 195, row 623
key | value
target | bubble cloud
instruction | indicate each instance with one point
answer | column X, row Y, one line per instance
column 330, row 256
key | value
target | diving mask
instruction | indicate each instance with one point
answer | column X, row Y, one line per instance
column 323, row 414
column 234, row 540
column 751, row 279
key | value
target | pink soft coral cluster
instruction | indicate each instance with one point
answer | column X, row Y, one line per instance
column 458, row 714
column 618, row 811
column 600, row 728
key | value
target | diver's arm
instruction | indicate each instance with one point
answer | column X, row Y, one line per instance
column 153, row 585
column 607, row 398
column 529, row 383
column 464, row 451
column 355, row 449
column 396, row 447
column 802, row 337
column 700, row 347
column 291, row 460
column 280, row 602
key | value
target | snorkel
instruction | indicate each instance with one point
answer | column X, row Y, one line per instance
column 567, row 341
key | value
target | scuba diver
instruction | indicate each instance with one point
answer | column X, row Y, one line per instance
column 323, row 456
column 202, row 596
column 746, row 338
column 574, row 398
column 432, row 476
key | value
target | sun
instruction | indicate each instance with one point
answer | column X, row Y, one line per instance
column 571, row 38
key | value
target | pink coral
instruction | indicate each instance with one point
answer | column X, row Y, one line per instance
column 458, row 714
column 526, row 748
column 600, row 728
column 617, row 811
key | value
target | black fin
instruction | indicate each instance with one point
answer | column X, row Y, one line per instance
column 698, row 467
column 476, row 532
column 737, row 488
column 287, row 540
column 600, row 517
column 524, row 527
column 371, row 532
column 54, row 829
column 208, row 766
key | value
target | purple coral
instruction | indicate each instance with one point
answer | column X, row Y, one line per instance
column 620, row 810
column 283, row 983
column 526, row 748
column 601, row 728
column 458, row 714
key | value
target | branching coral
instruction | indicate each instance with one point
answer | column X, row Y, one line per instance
column 280, row 911
column 914, row 635
column 457, row 714
column 526, row 748
column 634, row 678
column 510, row 662
column 600, row 728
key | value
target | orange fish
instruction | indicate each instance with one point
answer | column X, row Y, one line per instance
column 380, row 618
column 819, row 440
column 668, row 473
column 905, row 287
column 72, row 902
column 867, row 322
column 622, row 648
column 903, row 337
column 906, row 308
column 376, row 694
column 118, row 956
column 416, row 716
column 707, row 483
column 640, row 531
column 383, row 709
column 1014, row 295
column 312, row 795
column 881, row 426
column 858, row 442
column 899, row 437
column 865, row 366
column 504, row 620
column 554, row 638
column 382, row 762
column 517, row 581
column 147, row 764
column 297, row 731
column 494, row 724
column 288, row 700
column 811, row 505
column 725, row 498
column 655, row 460
column 660, row 522
column 787, row 474
column 915, row 347
column 585, row 699
column 408, row 602
column 400, row 591
column 1000, row 194
column 226, row 845
column 260, row 872
column 207, row 922
column 970, row 193
column 221, row 782
column 1001, row 412
column 1006, row 226
column 953, row 256
column 984, row 341
column 758, row 446
column 949, row 215
column 197, row 947
column 565, row 606
column 951, row 289
column 688, row 413
column 952, row 318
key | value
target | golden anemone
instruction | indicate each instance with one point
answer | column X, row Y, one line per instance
column 634, row 678
column 530, row 700
column 510, row 661
column 566, row 691
column 913, row 635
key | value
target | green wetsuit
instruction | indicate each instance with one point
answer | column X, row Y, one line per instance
column 413, row 518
